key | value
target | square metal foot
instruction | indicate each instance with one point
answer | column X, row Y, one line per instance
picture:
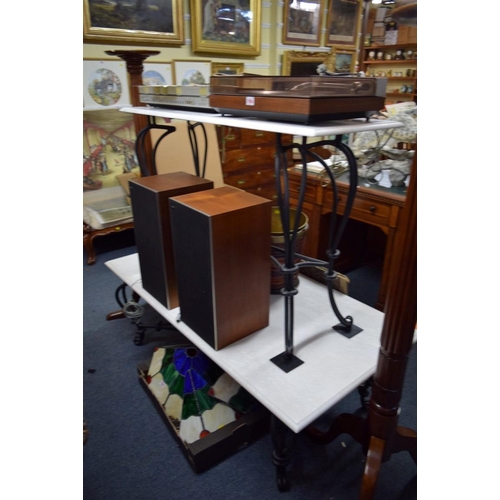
column 287, row 362
column 346, row 331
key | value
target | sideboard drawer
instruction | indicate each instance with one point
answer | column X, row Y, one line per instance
column 249, row 178
column 366, row 210
column 238, row 159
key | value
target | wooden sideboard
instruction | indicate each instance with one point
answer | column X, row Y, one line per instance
column 247, row 159
column 373, row 205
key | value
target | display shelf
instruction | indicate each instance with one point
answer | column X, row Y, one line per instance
column 391, row 61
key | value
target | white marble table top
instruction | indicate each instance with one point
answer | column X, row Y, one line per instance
column 333, row 365
column 334, row 127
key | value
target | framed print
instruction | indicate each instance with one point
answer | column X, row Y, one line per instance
column 222, row 68
column 192, row 72
column 155, row 22
column 344, row 61
column 157, row 74
column 108, row 148
column 343, row 21
column 302, row 22
column 226, row 26
column 302, row 63
column 105, row 84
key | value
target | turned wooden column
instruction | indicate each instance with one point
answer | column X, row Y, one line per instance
column 378, row 432
column 134, row 60
column 385, row 437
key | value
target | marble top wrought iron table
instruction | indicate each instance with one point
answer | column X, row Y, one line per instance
column 318, row 366
column 286, row 360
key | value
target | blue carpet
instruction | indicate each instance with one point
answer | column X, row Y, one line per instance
column 130, row 453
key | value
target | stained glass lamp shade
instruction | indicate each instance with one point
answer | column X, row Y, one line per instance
column 195, row 394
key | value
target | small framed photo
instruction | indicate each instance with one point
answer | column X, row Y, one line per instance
column 302, row 23
column 345, row 60
column 157, row 74
column 188, row 72
column 222, row 68
column 105, row 84
column 343, row 22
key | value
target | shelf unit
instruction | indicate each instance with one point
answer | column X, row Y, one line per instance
column 390, row 69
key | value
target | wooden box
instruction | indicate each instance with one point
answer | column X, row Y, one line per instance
column 222, row 248
column 149, row 196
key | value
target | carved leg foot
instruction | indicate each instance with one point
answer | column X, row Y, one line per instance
column 281, row 453
column 372, row 468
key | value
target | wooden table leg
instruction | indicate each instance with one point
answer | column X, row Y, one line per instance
column 281, row 454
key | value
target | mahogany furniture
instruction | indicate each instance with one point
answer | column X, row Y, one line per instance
column 247, row 159
column 89, row 234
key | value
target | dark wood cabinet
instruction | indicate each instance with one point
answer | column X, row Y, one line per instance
column 247, row 159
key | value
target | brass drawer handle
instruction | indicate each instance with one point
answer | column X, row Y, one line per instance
column 242, row 181
column 230, row 137
column 241, row 159
column 259, row 134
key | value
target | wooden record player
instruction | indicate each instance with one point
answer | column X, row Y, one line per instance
column 297, row 99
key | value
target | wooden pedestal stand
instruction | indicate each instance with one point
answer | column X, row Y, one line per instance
column 134, row 60
column 135, row 68
column 378, row 433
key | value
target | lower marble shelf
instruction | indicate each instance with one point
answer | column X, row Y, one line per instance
column 333, row 364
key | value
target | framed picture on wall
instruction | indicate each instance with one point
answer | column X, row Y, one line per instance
column 156, row 22
column 302, row 23
column 105, row 84
column 108, row 148
column 187, row 72
column 157, row 74
column 222, row 68
column 343, row 22
column 344, row 60
column 226, row 26
column 302, row 63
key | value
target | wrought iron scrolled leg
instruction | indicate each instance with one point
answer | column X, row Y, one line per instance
column 287, row 361
column 281, row 453
column 200, row 170
column 346, row 326
column 140, row 150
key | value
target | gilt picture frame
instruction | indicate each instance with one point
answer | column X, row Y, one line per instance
column 230, row 27
column 302, row 23
column 302, row 62
column 159, row 22
column 344, row 60
column 343, row 22
column 222, row 68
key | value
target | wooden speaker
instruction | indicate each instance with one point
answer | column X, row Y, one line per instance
column 222, row 248
column 153, row 236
